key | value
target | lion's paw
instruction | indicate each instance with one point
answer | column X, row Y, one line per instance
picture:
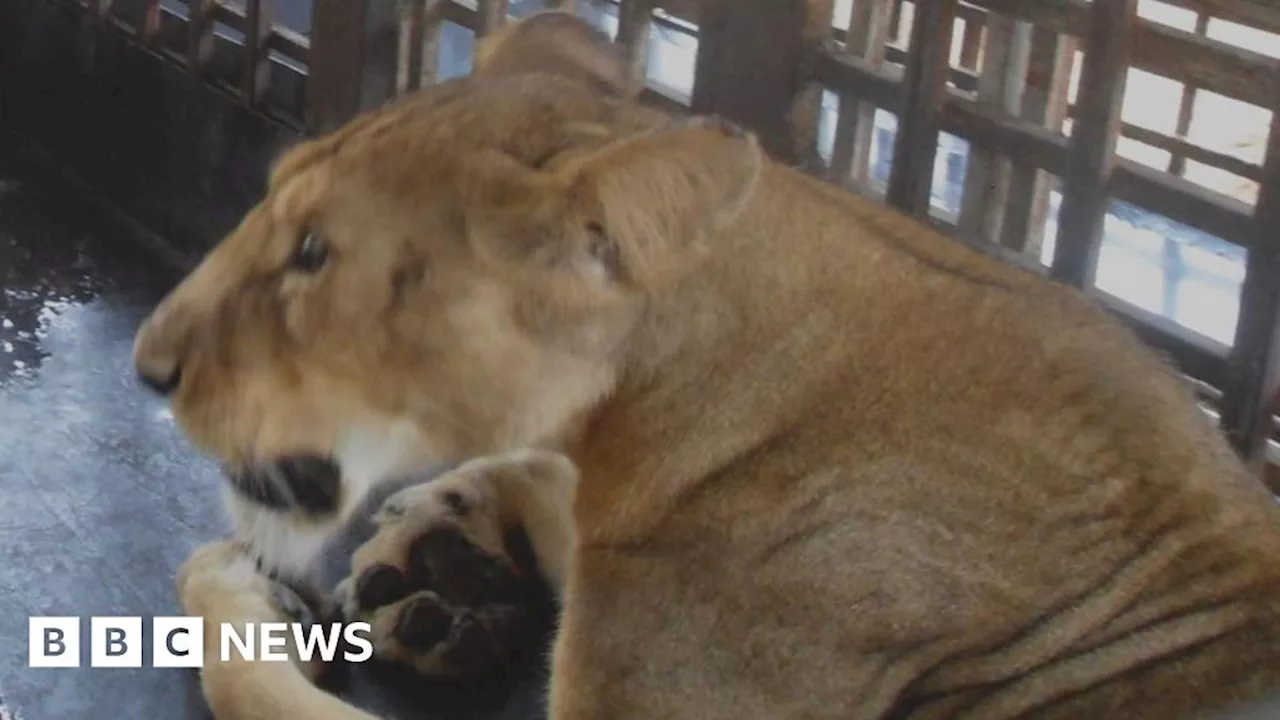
column 221, row 582
column 437, row 584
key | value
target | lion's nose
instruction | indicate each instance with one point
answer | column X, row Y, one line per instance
column 155, row 361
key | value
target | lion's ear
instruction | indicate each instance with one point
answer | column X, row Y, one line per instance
column 558, row 43
column 643, row 207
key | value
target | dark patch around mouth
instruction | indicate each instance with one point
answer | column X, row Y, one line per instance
column 308, row 483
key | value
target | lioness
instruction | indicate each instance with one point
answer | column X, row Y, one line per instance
column 783, row 452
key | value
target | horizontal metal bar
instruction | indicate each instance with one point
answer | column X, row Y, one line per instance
column 967, row 81
column 1171, row 196
column 1260, row 14
column 1177, row 54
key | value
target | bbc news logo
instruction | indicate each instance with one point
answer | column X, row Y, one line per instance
column 179, row 642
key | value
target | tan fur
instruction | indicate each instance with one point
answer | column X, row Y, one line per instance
column 833, row 465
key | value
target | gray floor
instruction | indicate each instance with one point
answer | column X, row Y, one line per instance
column 100, row 497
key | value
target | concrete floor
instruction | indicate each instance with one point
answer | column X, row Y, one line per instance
column 100, row 496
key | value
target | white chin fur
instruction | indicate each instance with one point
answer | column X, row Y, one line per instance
column 289, row 543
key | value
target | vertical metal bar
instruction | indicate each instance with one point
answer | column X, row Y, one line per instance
column 635, row 19
column 259, row 15
column 1001, row 83
column 971, row 44
column 1045, row 102
column 353, row 59
column 749, row 53
column 433, row 18
column 92, row 23
column 895, row 21
column 410, row 51
column 1253, row 370
column 151, row 18
column 1178, row 161
column 490, row 15
column 1087, row 181
column 924, row 87
column 855, row 126
column 200, row 40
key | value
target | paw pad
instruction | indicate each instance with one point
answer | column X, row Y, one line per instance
column 381, row 585
column 423, row 624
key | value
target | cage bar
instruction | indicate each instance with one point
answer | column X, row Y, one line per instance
column 259, row 15
column 924, row 91
column 1092, row 158
column 1254, row 366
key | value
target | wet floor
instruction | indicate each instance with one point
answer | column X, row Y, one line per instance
column 100, row 496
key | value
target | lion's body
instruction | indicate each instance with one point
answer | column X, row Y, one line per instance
column 832, row 464
column 956, row 475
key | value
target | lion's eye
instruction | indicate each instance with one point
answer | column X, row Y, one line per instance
column 310, row 254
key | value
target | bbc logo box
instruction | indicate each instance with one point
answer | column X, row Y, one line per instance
column 179, row 642
column 114, row 642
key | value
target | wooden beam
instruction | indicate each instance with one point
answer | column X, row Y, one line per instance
column 924, row 92
column 1175, row 198
column 151, row 19
column 1186, row 108
column 1000, row 85
column 635, row 20
column 751, row 54
column 1044, row 104
column 1254, row 366
column 491, row 14
column 259, row 17
column 1177, row 54
column 1086, row 187
column 1260, row 14
column 353, row 59
column 855, row 124
column 200, row 34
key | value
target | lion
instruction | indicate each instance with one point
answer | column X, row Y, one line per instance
column 780, row 451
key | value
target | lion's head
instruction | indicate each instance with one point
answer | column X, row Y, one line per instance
column 454, row 274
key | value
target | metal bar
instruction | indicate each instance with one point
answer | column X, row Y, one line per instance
column 288, row 43
column 1180, row 147
column 855, row 127
column 1254, row 366
column 491, row 15
column 1186, row 108
column 1091, row 165
column 408, row 72
column 151, row 19
column 429, row 48
column 1000, row 85
column 635, row 18
column 1046, row 149
column 1177, row 54
column 895, row 21
column 748, row 55
column 259, row 15
column 967, row 80
column 353, row 59
column 1045, row 104
column 200, row 34
column 1260, row 14
column 971, row 42
column 924, row 91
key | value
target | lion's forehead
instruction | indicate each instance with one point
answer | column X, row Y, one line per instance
column 529, row 117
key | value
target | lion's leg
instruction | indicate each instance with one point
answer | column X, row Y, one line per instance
column 221, row 584
column 436, row 581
